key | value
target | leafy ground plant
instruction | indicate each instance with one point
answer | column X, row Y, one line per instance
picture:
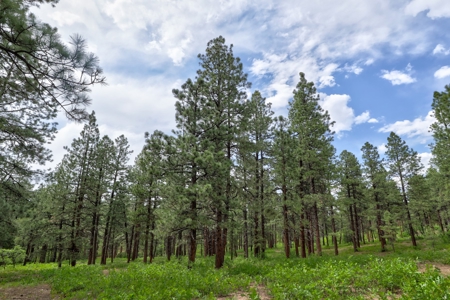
column 364, row 275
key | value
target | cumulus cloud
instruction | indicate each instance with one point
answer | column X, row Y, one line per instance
column 149, row 47
column 135, row 104
column 435, row 8
column 425, row 158
column 363, row 118
column 399, row 77
column 70, row 131
column 340, row 112
column 439, row 49
column 285, row 76
column 442, row 72
column 343, row 115
column 418, row 127
column 382, row 148
column 343, row 37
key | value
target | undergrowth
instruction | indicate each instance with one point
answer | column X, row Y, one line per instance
column 367, row 274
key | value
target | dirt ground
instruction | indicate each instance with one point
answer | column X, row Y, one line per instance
column 38, row 292
column 260, row 289
column 443, row 269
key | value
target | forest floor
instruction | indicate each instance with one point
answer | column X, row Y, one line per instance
column 422, row 272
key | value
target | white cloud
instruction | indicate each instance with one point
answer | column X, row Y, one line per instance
column 369, row 62
column 144, row 47
column 439, row 49
column 353, row 69
column 64, row 138
column 425, row 158
column 398, row 77
column 436, row 8
column 313, row 43
column 137, row 105
column 442, row 72
column 285, row 75
column 362, row 118
column 382, row 148
column 66, row 18
column 341, row 113
column 372, row 120
column 325, row 81
column 72, row 130
column 419, row 127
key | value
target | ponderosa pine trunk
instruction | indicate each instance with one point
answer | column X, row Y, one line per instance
column 245, row 233
column 302, row 233
column 405, row 201
column 333, row 227
column 352, row 227
column 286, row 239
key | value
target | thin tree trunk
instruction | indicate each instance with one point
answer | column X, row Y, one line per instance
column 352, row 226
column 405, row 201
column 245, row 233
column 302, row 234
column 286, row 239
column 333, row 228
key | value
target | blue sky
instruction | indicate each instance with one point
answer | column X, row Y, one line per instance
column 375, row 63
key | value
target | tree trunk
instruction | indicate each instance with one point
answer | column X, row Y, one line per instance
column 286, row 240
column 317, row 230
column 220, row 251
column 245, row 233
column 333, row 227
column 405, row 202
column 352, row 226
column 302, row 234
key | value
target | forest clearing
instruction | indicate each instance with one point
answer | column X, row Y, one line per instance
column 226, row 172
column 406, row 273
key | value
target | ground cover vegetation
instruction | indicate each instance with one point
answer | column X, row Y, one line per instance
column 229, row 185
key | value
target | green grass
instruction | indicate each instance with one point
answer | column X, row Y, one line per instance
column 367, row 274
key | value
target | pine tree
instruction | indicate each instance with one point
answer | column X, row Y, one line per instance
column 352, row 193
column 375, row 175
column 41, row 75
column 192, row 155
column 224, row 88
column 403, row 164
column 313, row 151
column 282, row 163
column 441, row 154
column 253, row 161
column 117, row 192
column 441, row 130
column 148, row 176
column 438, row 197
column 81, row 157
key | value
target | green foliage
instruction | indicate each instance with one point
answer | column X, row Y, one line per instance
column 367, row 276
column 11, row 256
column 359, row 278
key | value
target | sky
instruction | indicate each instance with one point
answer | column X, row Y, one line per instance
column 375, row 63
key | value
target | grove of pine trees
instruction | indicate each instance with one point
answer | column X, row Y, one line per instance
column 230, row 179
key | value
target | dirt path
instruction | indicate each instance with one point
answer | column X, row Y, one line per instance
column 38, row 292
column 443, row 269
column 260, row 289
